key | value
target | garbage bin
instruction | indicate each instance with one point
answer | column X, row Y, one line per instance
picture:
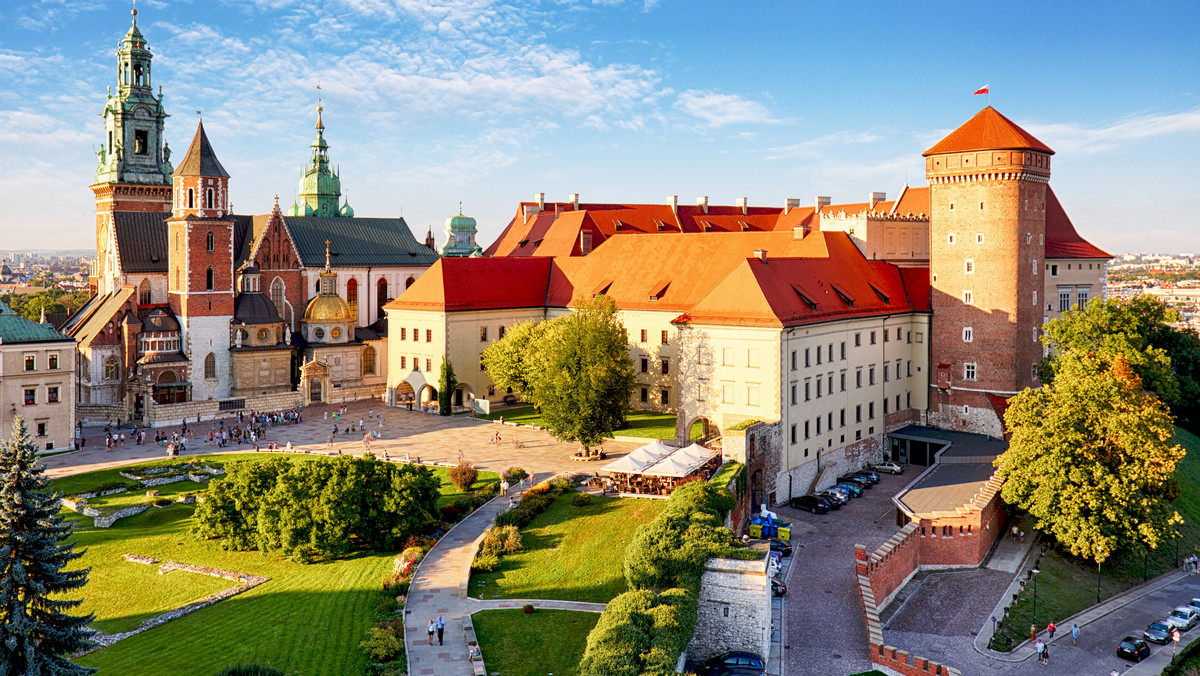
column 785, row 532
column 756, row 530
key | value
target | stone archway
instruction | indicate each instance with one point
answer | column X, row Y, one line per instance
column 404, row 394
column 428, row 395
column 702, row 430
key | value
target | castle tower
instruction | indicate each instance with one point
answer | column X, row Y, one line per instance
column 320, row 189
column 133, row 171
column 200, row 266
column 987, row 196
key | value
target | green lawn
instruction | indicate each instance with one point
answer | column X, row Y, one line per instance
column 546, row 642
column 1067, row 585
column 726, row 474
column 642, row 424
column 571, row 553
column 309, row 619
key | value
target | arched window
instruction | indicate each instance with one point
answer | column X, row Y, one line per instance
column 381, row 291
column 409, row 282
column 277, row 295
column 144, row 292
column 317, row 286
column 352, row 298
column 208, row 280
column 368, row 360
column 210, row 242
column 191, row 198
column 208, row 201
column 111, row 368
column 210, row 366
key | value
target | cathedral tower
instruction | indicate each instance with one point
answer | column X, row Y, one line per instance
column 200, row 266
column 320, row 189
column 133, row 171
column 987, row 196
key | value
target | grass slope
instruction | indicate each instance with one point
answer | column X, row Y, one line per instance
column 570, row 553
column 546, row 642
column 309, row 619
column 1067, row 585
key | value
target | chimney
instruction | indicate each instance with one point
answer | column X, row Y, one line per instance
column 875, row 198
column 585, row 242
column 741, row 203
column 800, row 232
column 823, row 201
column 574, row 198
column 789, row 204
column 673, row 202
column 702, row 202
column 761, row 254
column 540, row 198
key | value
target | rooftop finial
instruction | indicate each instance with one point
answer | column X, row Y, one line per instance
column 460, row 207
column 327, row 266
column 320, row 125
column 134, row 12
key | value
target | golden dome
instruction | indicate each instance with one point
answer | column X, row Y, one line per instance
column 327, row 309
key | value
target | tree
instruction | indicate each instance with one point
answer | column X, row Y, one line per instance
column 575, row 369
column 37, row 633
column 447, row 383
column 1090, row 458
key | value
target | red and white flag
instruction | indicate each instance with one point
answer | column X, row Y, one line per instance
column 983, row 89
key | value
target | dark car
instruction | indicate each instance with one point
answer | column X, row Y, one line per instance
column 856, row 489
column 780, row 546
column 868, row 474
column 733, row 662
column 811, row 503
column 855, row 479
column 778, row 588
column 1132, row 648
column 835, row 500
column 1159, row 632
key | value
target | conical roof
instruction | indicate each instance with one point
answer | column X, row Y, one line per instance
column 200, row 159
column 988, row 130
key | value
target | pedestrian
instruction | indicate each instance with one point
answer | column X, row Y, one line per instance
column 460, row 455
column 1032, row 633
column 441, row 628
column 1050, row 629
column 431, row 630
column 1074, row 634
column 1014, row 533
column 1022, row 537
column 503, row 487
column 1046, row 654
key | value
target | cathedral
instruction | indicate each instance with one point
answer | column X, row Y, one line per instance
column 195, row 309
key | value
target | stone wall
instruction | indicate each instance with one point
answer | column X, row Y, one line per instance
column 106, row 521
column 734, row 609
column 99, row 413
column 173, row 414
column 344, row 395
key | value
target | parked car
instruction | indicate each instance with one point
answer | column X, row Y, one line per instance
column 855, row 479
column 812, row 503
column 855, row 489
column 889, row 467
column 842, row 494
column 870, row 474
column 733, row 662
column 1159, row 632
column 1195, row 603
column 1131, row 648
column 835, row 499
column 778, row 588
column 1183, row 618
column 780, row 546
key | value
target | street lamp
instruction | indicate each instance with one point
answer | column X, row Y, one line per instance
column 1033, row 576
column 1099, row 557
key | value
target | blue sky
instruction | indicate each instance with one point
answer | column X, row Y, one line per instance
column 431, row 102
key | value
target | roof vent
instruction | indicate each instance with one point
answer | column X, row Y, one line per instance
column 761, row 254
column 789, row 204
column 702, row 202
column 876, row 197
column 741, row 204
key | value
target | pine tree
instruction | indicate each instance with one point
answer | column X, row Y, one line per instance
column 36, row 632
column 447, row 383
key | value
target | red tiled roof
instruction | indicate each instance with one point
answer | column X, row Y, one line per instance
column 1062, row 241
column 478, row 284
column 913, row 201
column 916, row 283
column 988, row 130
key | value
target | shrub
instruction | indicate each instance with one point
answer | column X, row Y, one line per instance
column 465, row 505
column 450, row 514
column 536, row 503
column 386, row 605
column 581, row 500
column 163, row 502
column 501, row 540
column 561, row 486
column 485, row 563
column 382, row 644
column 252, row 669
column 510, row 518
column 487, row 491
column 463, row 475
column 527, row 608
column 514, row 474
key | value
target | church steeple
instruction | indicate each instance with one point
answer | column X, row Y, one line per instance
column 320, row 189
column 133, row 150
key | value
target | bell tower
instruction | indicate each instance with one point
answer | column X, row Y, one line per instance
column 133, row 170
column 987, row 200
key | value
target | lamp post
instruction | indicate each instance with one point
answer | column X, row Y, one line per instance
column 1099, row 557
column 1033, row 576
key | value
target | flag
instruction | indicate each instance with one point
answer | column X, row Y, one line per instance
column 983, row 89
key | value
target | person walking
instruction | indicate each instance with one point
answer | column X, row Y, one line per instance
column 1015, row 531
column 1074, row 634
column 1038, row 648
column 431, row 630
column 1050, row 630
column 441, row 628
column 1046, row 654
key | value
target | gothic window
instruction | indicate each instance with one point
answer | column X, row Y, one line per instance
column 381, row 294
column 144, row 292
column 277, row 295
column 111, row 368
column 208, row 280
column 210, row 242
column 208, row 201
column 140, row 142
column 210, row 366
column 352, row 298
column 191, row 205
column 368, row 360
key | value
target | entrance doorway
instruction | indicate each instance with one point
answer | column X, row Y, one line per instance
column 314, row 391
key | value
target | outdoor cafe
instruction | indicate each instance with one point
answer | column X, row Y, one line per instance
column 656, row 469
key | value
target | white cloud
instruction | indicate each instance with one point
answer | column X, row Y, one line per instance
column 1081, row 139
column 715, row 110
column 815, row 146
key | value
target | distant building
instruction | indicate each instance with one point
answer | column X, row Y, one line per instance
column 37, row 373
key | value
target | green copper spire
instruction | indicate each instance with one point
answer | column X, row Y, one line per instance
column 133, row 150
column 460, row 236
column 320, row 188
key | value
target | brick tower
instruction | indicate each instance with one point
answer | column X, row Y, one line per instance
column 200, row 266
column 987, row 195
column 133, row 172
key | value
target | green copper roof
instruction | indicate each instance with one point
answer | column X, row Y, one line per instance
column 460, row 236
column 320, row 188
column 16, row 329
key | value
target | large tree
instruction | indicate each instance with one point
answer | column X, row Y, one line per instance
column 575, row 368
column 1091, row 458
column 37, row 631
column 447, row 383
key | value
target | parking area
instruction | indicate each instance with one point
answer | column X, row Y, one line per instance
column 825, row 633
